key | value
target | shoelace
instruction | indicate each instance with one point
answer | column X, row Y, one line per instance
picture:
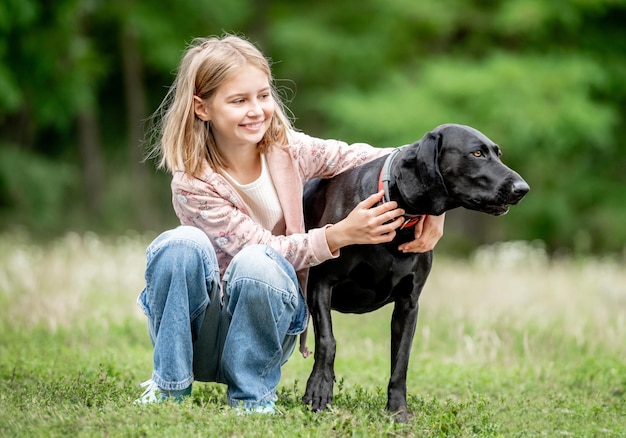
column 149, row 395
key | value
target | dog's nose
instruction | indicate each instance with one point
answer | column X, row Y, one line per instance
column 520, row 188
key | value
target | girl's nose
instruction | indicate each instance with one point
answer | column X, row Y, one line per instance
column 255, row 109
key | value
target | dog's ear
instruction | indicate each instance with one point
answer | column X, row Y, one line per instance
column 422, row 186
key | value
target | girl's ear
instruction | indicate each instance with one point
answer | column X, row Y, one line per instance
column 200, row 109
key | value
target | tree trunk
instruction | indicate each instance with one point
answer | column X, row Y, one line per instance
column 136, row 112
column 91, row 158
column 89, row 145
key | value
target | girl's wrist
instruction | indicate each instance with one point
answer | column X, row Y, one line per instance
column 334, row 237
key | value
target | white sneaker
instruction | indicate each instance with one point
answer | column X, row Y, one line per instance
column 267, row 408
column 154, row 394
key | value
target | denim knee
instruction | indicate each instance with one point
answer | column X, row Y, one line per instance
column 185, row 241
column 182, row 249
column 183, row 233
column 261, row 264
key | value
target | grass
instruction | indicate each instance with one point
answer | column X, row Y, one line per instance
column 508, row 343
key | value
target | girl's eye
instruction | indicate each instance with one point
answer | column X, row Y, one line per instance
column 264, row 96
column 478, row 154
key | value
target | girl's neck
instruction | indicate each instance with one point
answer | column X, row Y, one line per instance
column 244, row 166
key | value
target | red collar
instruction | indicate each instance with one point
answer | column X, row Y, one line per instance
column 383, row 184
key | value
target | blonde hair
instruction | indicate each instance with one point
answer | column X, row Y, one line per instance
column 182, row 141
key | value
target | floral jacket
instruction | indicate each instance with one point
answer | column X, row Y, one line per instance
column 213, row 205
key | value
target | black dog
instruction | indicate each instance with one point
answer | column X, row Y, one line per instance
column 452, row 166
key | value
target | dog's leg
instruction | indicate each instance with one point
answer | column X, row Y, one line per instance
column 403, row 323
column 319, row 387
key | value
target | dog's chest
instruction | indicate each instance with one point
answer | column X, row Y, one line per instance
column 364, row 279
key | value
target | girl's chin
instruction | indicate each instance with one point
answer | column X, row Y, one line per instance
column 255, row 135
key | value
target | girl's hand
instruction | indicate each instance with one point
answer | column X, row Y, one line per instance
column 366, row 224
column 428, row 231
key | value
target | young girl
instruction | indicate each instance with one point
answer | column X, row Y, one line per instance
column 224, row 291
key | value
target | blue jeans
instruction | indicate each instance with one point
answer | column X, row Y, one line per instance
column 241, row 337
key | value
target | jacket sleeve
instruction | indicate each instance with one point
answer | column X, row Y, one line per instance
column 217, row 209
column 319, row 158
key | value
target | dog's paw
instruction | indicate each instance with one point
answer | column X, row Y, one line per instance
column 317, row 401
column 319, row 394
column 400, row 413
column 403, row 415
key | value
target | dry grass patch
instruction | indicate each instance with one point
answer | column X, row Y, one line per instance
column 72, row 280
column 85, row 278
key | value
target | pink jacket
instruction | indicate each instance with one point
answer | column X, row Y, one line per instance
column 213, row 205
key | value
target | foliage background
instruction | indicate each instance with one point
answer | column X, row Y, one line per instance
column 545, row 80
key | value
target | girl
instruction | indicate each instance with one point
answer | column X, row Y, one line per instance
column 224, row 291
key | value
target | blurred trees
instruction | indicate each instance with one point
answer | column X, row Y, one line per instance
column 545, row 80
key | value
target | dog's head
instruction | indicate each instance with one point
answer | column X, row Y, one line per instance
column 457, row 165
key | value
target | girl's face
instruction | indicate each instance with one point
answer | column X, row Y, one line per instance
column 241, row 109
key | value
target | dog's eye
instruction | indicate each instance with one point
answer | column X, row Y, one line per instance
column 478, row 154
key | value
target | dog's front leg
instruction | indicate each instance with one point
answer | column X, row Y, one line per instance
column 403, row 323
column 319, row 387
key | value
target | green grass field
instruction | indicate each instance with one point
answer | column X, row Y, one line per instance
column 508, row 344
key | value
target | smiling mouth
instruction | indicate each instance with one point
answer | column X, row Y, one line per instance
column 255, row 125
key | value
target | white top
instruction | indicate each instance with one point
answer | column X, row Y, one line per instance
column 261, row 197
